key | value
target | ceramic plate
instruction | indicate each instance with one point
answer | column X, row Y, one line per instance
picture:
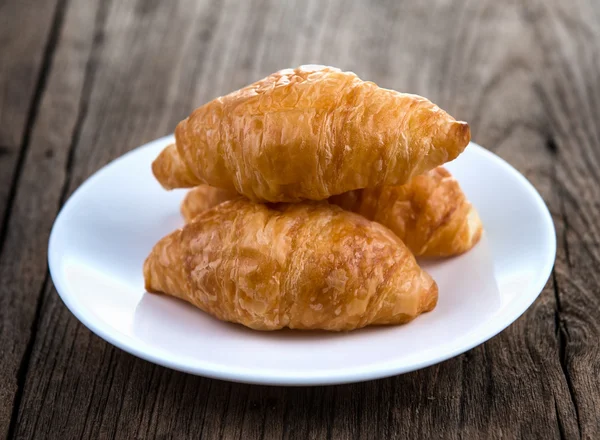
column 107, row 228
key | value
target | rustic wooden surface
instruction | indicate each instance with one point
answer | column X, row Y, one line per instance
column 83, row 81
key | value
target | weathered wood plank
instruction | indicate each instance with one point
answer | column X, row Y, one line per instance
column 488, row 63
column 24, row 34
column 23, row 66
column 23, row 61
column 571, row 96
column 36, row 201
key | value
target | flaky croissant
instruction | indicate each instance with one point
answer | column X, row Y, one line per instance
column 303, row 266
column 430, row 213
column 309, row 133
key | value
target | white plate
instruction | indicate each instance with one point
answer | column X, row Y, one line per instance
column 106, row 229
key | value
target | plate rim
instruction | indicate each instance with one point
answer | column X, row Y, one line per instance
column 264, row 376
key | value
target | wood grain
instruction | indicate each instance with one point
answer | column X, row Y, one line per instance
column 124, row 72
column 21, row 61
column 24, row 59
column 573, row 88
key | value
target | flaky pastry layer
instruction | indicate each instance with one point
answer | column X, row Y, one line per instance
column 309, row 133
column 302, row 266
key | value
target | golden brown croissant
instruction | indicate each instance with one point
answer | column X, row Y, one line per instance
column 303, row 266
column 430, row 213
column 309, row 133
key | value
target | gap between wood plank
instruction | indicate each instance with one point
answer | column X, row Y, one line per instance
column 57, row 21
column 23, row 366
column 32, row 114
column 90, row 69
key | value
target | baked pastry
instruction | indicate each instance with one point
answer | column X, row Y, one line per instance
column 309, row 133
column 430, row 213
column 303, row 266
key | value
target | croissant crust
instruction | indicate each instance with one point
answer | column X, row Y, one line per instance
column 309, row 133
column 304, row 266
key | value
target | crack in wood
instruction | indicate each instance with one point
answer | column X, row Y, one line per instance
column 551, row 146
column 566, row 229
column 561, row 428
column 562, row 332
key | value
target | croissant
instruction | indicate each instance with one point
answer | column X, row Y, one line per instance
column 309, row 133
column 430, row 213
column 302, row 266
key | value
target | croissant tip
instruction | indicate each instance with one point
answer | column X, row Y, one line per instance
column 148, row 276
column 157, row 172
column 463, row 132
column 475, row 227
column 430, row 298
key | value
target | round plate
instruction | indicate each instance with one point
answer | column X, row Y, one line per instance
column 107, row 228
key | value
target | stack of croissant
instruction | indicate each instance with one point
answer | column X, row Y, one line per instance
column 312, row 193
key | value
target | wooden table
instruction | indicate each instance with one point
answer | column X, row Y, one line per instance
column 83, row 81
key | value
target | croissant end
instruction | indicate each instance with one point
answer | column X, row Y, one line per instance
column 171, row 172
